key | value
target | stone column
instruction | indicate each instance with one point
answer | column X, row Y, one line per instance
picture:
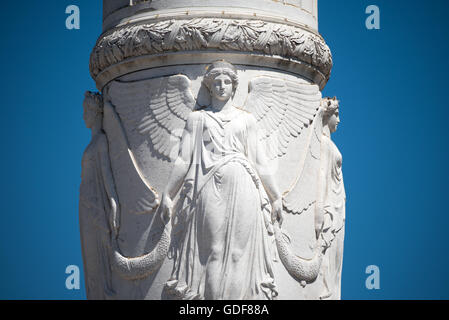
column 149, row 66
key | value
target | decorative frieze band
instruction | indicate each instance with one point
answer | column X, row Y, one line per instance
column 201, row 34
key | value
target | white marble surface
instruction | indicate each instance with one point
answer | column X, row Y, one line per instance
column 223, row 171
column 301, row 12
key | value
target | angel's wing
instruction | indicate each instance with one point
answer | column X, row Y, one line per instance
column 304, row 192
column 158, row 108
column 135, row 193
column 282, row 109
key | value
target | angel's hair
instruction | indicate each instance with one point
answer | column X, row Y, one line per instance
column 330, row 106
column 221, row 67
column 93, row 101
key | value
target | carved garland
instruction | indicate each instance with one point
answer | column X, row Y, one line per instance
column 207, row 33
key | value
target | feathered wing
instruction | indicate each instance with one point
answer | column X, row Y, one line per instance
column 160, row 114
column 135, row 192
column 136, row 196
column 157, row 109
column 304, row 192
column 304, row 195
column 282, row 108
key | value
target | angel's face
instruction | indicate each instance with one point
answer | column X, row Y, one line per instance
column 221, row 87
column 334, row 120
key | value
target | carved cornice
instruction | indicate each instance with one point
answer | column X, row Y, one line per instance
column 207, row 34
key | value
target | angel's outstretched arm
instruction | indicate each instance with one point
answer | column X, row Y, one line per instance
column 106, row 165
column 257, row 154
column 183, row 161
column 109, row 184
column 324, row 176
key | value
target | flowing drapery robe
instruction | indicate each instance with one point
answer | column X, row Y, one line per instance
column 334, row 199
column 94, row 208
column 223, row 247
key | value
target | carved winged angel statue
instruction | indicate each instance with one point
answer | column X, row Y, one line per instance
column 222, row 195
column 333, row 202
column 320, row 186
column 98, row 198
column 99, row 209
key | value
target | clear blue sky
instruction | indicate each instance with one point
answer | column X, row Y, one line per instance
column 393, row 137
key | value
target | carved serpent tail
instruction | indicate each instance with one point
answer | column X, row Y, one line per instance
column 302, row 270
column 143, row 266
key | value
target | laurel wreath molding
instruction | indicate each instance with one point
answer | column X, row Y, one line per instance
column 252, row 36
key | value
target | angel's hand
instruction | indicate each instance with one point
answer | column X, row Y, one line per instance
column 276, row 213
column 166, row 207
column 113, row 217
column 319, row 221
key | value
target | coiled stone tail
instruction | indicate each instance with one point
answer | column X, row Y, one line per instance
column 141, row 267
column 302, row 270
